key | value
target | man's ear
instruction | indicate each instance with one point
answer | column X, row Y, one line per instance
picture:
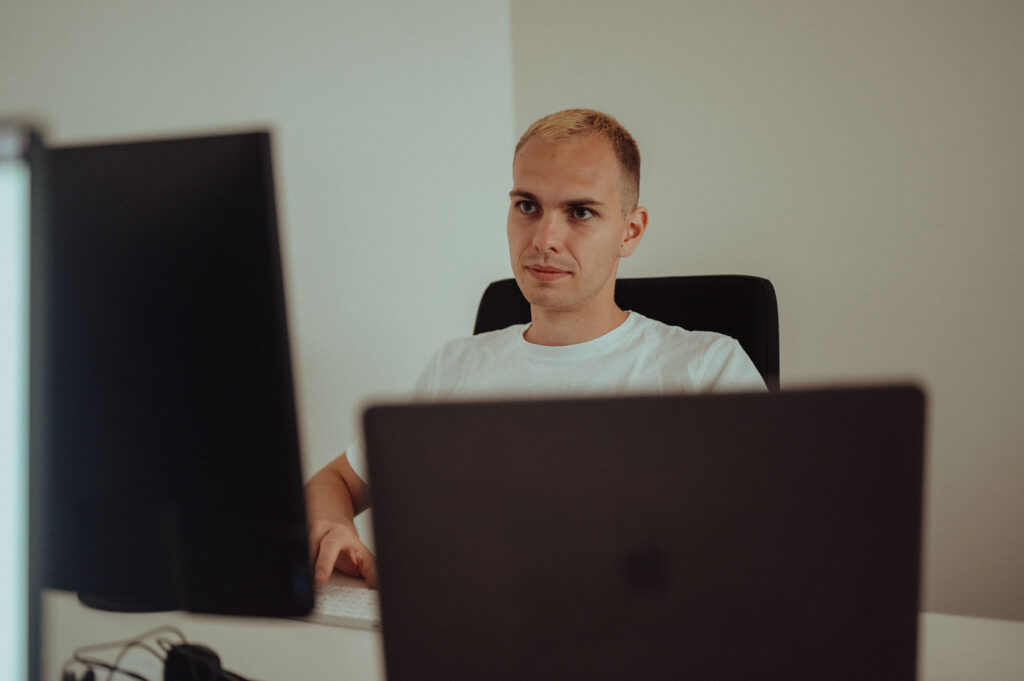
column 636, row 225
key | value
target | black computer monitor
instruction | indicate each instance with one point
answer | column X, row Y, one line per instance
column 171, row 449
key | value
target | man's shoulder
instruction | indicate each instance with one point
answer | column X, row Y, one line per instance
column 677, row 338
column 704, row 360
column 462, row 362
column 481, row 344
column 486, row 339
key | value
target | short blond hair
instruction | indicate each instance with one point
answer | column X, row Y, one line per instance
column 571, row 123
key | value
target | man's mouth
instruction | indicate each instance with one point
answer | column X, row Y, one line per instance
column 545, row 273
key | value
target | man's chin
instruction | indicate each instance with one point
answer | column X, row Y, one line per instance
column 545, row 298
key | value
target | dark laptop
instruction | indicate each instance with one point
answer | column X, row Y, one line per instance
column 768, row 536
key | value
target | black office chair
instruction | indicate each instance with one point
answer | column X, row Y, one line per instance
column 743, row 307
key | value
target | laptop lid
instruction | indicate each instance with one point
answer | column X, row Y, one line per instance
column 720, row 536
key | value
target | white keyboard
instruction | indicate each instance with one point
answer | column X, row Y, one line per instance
column 346, row 602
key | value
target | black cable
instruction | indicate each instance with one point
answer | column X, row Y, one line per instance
column 91, row 664
column 123, row 642
column 125, row 649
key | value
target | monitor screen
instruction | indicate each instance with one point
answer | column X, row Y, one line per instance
column 20, row 155
column 172, row 462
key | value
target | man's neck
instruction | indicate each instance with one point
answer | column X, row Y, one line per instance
column 554, row 327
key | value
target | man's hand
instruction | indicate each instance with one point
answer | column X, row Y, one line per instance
column 337, row 545
column 333, row 496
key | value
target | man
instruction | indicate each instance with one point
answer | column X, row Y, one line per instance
column 573, row 215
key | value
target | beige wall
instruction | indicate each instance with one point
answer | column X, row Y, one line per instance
column 868, row 157
column 392, row 124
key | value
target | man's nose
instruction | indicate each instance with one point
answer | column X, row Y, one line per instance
column 549, row 234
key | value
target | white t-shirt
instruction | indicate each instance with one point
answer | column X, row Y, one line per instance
column 640, row 356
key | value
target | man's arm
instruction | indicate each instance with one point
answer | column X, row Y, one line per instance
column 333, row 498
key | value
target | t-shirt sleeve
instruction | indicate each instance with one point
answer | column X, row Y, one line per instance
column 442, row 372
column 728, row 368
column 427, row 383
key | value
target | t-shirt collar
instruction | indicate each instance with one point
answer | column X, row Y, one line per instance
column 576, row 350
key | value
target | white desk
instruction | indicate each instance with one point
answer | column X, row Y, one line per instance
column 953, row 648
column 258, row 649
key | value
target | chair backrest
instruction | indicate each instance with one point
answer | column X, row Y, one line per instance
column 739, row 306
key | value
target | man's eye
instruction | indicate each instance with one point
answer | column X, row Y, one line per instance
column 580, row 213
column 527, row 207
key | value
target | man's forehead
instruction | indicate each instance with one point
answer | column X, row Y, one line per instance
column 583, row 162
column 592, row 147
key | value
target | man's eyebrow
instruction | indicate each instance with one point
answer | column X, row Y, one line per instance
column 578, row 203
column 571, row 203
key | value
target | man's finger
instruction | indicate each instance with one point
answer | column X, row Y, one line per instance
column 356, row 560
column 369, row 570
column 315, row 537
column 326, row 559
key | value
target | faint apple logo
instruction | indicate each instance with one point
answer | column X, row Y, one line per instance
column 645, row 569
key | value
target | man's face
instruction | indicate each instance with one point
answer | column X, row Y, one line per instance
column 567, row 227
